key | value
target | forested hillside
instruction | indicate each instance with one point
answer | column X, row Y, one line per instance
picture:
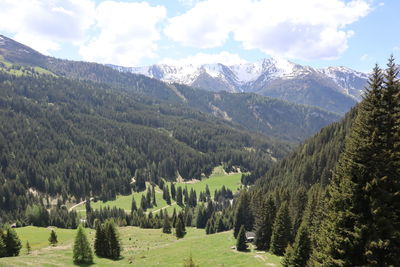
column 69, row 138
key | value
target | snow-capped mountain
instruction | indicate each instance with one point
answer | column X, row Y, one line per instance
column 332, row 88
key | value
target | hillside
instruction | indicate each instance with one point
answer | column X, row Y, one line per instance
column 274, row 118
column 336, row 89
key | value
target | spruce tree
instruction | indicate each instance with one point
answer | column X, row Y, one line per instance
column 281, row 231
column 287, row 260
column 180, row 230
column 243, row 214
column 133, row 205
column 301, row 250
column 173, row 191
column 179, row 196
column 112, row 238
column 82, row 253
column 12, row 242
column 361, row 225
column 263, row 226
column 241, row 239
column 166, row 225
column 100, row 242
column 53, row 238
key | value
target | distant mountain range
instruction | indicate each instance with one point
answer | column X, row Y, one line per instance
column 334, row 88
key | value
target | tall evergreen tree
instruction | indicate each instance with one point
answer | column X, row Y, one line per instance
column 263, row 225
column 243, row 214
column 301, row 250
column 112, row 238
column 166, row 225
column 241, row 239
column 173, row 191
column 53, row 238
column 362, row 225
column 133, row 205
column 179, row 196
column 12, row 242
column 82, row 253
column 180, row 230
column 281, row 231
column 28, row 248
column 100, row 242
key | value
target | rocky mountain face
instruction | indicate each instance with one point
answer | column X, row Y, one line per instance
column 333, row 88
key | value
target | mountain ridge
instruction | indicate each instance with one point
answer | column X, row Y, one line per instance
column 261, row 77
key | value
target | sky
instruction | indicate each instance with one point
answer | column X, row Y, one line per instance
column 319, row 33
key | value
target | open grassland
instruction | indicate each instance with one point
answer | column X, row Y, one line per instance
column 142, row 247
column 216, row 181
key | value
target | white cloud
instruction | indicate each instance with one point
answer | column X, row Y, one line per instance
column 45, row 24
column 127, row 33
column 308, row 29
column 223, row 57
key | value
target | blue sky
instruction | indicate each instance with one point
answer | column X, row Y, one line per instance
column 319, row 33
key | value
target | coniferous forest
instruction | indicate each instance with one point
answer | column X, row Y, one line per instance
column 68, row 137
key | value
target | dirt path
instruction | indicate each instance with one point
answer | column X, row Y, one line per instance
column 80, row 203
column 154, row 211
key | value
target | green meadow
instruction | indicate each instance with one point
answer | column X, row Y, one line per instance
column 141, row 247
column 215, row 181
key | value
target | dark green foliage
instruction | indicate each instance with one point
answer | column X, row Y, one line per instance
column 281, row 231
column 12, row 242
column 361, row 225
column 173, row 191
column 166, row 195
column 265, row 218
column 82, row 252
column 113, row 248
column 100, row 242
column 133, row 205
column 3, row 248
column 180, row 230
column 53, row 238
column 179, row 196
column 201, row 218
column 298, row 255
column 243, row 216
column 241, row 239
column 166, row 225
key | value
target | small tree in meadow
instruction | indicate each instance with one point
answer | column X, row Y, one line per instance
column 53, row 238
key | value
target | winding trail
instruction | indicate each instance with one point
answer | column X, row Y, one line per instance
column 80, row 203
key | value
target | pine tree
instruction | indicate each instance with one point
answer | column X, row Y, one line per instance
column 301, row 250
column 82, row 253
column 263, row 226
column 143, row 203
column 28, row 248
column 53, row 238
column 281, row 231
column 287, row 260
column 112, row 238
column 12, row 242
column 100, row 242
column 241, row 240
column 173, row 191
column 361, row 225
column 133, row 205
column 166, row 225
column 179, row 196
column 153, row 194
column 243, row 214
column 180, row 230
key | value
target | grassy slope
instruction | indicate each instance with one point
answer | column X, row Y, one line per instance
column 142, row 247
column 216, row 181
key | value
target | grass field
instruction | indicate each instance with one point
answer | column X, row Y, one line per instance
column 142, row 247
column 216, row 181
